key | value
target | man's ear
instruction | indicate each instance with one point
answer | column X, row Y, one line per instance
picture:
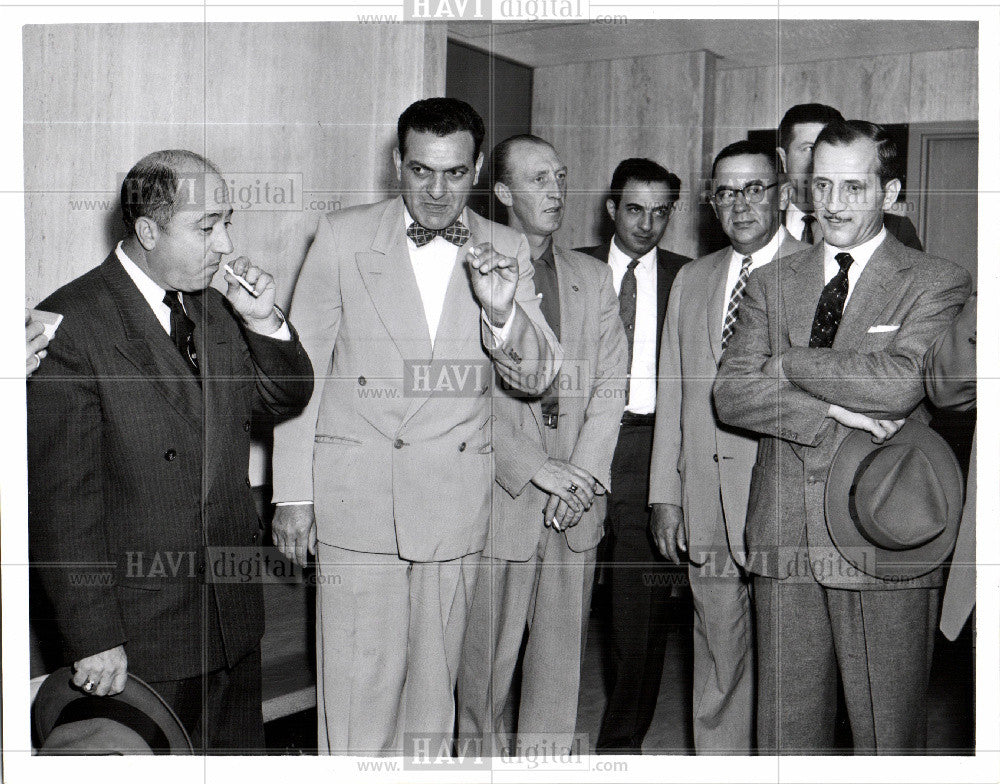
column 397, row 159
column 781, row 157
column 611, row 207
column 784, row 195
column 479, row 165
column 147, row 231
column 892, row 189
column 503, row 194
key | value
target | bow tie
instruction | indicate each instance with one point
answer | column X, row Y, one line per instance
column 456, row 234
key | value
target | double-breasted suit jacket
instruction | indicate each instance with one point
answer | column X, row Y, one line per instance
column 138, row 487
column 395, row 447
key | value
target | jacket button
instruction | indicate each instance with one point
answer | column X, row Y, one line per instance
column 253, row 538
column 399, row 443
column 362, row 381
column 201, row 569
column 715, row 458
column 169, row 455
column 461, row 447
column 246, row 426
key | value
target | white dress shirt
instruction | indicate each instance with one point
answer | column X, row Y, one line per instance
column 757, row 260
column 642, row 386
column 153, row 293
column 432, row 267
column 861, row 255
column 794, row 224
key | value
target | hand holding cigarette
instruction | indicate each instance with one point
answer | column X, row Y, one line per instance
column 251, row 292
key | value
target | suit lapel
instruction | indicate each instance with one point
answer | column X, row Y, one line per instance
column 388, row 275
column 875, row 286
column 801, row 293
column 663, row 281
column 148, row 346
column 717, row 300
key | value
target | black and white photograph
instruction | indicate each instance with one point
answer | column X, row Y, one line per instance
column 500, row 390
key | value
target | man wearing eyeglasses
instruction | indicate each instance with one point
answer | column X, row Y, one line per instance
column 700, row 468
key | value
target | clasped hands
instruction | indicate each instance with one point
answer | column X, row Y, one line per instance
column 571, row 492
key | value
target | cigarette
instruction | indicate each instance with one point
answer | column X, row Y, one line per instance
column 242, row 281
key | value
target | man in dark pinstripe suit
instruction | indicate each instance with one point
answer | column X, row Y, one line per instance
column 139, row 432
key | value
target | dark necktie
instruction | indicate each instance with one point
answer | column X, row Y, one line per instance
column 182, row 330
column 807, row 229
column 734, row 301
column 626, row 307
column 831, row 305
column 456, row 234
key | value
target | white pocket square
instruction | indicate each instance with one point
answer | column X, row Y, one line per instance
column 883, row 328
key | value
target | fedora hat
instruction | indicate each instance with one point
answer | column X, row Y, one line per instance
column 136, row 721
column 893, row 509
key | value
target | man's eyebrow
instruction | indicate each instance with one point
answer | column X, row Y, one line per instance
column 415, row 162
column 214, row 216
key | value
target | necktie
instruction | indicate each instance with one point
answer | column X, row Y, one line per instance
column 831, row 305
column 729, row 325
column 456, row 234
column 626, row 307
column 182, row 330
column 807, row 229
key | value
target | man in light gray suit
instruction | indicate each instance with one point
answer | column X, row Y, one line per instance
column 553, row 463
column 700, row 470
column 828, row 341
column 418, row 295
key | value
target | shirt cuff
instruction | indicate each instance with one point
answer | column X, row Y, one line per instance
column 500, row 334
column 294, row 503
column 282, row 332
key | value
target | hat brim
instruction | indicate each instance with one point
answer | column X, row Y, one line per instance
column 57, row 691
column 892, row 565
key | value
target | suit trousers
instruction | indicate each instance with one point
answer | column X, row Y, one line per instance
column 879, row 642
column 640, row 589
column 723, row 657
column 550, row 594
column 220, row 710
column 389, row 635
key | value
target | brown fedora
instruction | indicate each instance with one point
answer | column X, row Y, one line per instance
column 893, row 509
column 135, row 721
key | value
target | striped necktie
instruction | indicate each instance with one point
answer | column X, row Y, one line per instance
column 729, row 325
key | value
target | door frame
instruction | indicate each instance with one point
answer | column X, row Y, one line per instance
column 921, row 136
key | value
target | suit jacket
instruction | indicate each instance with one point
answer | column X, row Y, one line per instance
column 591, row 388
column 950, row 378
column 138, row 474
column 696, row 459
column 397, row 435
column 668, row 264
column 772, row 383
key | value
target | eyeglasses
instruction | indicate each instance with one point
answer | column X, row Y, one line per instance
column 753, row 193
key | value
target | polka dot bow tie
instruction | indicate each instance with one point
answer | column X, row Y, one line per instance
column 456, row 234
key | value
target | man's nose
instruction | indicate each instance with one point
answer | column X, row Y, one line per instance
column 437, row 188
column 646, row 220
column 740, row 202
column 221, row 241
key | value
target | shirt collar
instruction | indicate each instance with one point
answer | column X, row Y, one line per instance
column 766, row 254
column 793, row 215
column 547, row 256
column 151, row 291
column 860, row 253
column 622, row 259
